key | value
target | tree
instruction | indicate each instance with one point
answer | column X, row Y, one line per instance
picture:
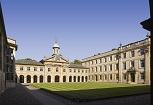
column 28, row 59
column 76, row 61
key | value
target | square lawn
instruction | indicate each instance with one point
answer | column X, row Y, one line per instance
column 91, row 91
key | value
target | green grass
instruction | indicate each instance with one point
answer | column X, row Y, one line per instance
column 91, row 91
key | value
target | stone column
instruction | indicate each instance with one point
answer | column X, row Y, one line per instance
column 147, row 66
column 72, row 79
column 76, row 78
column 25, row 79
column 129, row 78
column 67, row 78
column 31, row 79
column 38, row 81
column 120, row 66
column 136, row 77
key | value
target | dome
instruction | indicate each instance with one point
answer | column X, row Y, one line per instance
column 56, row 45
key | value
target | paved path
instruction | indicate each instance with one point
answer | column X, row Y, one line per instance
column 28, row 95
column 17, row 96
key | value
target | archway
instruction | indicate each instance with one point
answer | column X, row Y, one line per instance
column 21, row 79
column 96, row 77
column 28, row 79
column 74, row 78
column 48, row 78
column 78, row 78
column 86, row 79
column 56, row 78
column 64, row 78
column 82, row 78
column 70, row 78
column 41, row 79
column 34, row 79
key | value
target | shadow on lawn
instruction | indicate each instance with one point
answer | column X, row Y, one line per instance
column 103, row 93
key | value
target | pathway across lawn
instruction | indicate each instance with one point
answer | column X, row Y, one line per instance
column 92, row 91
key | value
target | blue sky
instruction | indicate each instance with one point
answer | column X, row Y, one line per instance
column 82, row 27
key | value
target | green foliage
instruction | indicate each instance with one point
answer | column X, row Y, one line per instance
column 76, row 61
column 28, row 59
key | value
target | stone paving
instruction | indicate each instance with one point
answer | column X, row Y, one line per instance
column 28, row 95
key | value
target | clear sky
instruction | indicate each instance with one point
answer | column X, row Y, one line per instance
column 82, row 27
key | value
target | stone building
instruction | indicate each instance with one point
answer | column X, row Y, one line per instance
column 49, row 70
column 7, row 57
column 126, row 64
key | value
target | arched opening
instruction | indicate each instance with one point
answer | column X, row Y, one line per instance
column 48, row 78
column 86, row 79
column 21, row 79
column 70, row 78
column 34, row 79
column 64, row 78
column 82, row 78
column 74, row 78
column 56, row 78
column 28, row 79
column 78, row 78
column 41, row 79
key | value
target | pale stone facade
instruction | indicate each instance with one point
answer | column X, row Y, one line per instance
column 7, row 57
column 127, row 64
column 50, row 70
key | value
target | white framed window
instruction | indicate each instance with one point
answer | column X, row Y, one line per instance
column 100, row 60
column 95, row 69
column 142, row 63
column 70, row 70
column 116, row 66
column 28, row 68
column 56, row 69
column 116, row 57
column 110, row 67
column 141, row 51
column 110, row 58
column 74, row 71
column 105, row 59
column 21, row 67
column 142, row 76
column 64, row 70
column 92, row 69
column 48, row 69
column 132, row 53
column 124, row 55
column 78, row 70
column 41, row 69
column 124, row 65
column 35, row 68
column 132, row 64
column 100, row 77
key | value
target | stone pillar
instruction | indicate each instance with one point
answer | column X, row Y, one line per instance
column 31, row 79
column 38, row 81
column 80, row 78
column 129, row 78
column 67, row 78
column 147, row 66
column 136, row 77
column 120, row 65
column 25, row 79
column 72, row 79
column 76, row 78
column 61, row 79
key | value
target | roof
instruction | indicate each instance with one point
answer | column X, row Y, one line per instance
column 28, row 62
column 77, row 66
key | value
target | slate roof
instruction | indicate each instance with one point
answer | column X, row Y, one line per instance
column 77, row 66
column 28, row 62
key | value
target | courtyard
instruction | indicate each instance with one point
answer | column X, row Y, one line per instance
column 92, row 91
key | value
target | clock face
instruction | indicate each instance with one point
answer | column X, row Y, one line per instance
column 57, row 57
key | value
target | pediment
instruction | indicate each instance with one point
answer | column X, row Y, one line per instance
column 56, row 58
